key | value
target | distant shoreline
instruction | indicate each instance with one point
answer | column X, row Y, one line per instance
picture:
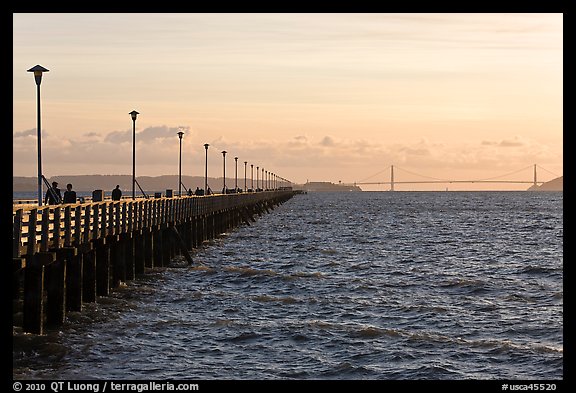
column 85, row 184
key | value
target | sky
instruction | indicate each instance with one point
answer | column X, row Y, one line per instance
column 337, row 97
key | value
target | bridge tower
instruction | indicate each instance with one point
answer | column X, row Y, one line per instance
column 392, row 178
column 535, row 179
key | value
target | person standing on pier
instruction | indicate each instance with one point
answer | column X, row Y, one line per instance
column 69, row 195
column 53, row 196
column 116, row 193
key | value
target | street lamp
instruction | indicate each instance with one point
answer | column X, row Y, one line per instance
column 257, row 172
column 245, row 166
column 180, row 133
column 224, row 174
column 38, row 70
column 236, row 175
column 263, row 179
column 252, row 177
column 133, row 114
column 206, row 171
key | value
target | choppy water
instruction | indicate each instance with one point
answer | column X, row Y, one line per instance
column 370, row 285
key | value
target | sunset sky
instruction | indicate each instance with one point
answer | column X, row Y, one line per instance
column 318, row 97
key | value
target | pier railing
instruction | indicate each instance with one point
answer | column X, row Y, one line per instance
column 71, row 225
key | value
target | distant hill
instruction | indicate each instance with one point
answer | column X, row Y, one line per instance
column 552, row 185
column 89, row 183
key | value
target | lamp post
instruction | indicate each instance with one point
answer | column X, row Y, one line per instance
column 257, row 172
column 245, row 165
column 133, row 114
column 236, row 175
column 263, row 179
column 38, row 70
column 252, row 177
column 224, row 173
column 180, row 133
column 206, row 171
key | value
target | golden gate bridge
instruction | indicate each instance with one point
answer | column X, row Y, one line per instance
column 432, row 180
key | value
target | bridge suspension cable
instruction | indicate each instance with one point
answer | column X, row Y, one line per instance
column 506, row 174
column 552, row 173
column 376, row 174
column 417, row 174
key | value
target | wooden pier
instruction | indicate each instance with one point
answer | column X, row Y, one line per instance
column 67, row 255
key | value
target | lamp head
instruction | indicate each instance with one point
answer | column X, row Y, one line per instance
column 38, row 70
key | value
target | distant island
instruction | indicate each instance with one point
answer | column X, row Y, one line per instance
column 317, row 186
column 552, row 185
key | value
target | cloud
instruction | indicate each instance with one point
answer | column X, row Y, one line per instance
column 147, row 135
column 327, row 141
column 22, row 134
column 154, row 133
column 419, row 151
column 118, row 137
column 298, row 141
column 514, row 142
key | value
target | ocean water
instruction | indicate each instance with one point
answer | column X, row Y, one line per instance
column 360, row 286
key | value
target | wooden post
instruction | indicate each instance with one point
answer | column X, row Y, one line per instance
column 192, row 231
column 199, row 230
column 148, row 248
column 167, row 242
column 103, row 268
column 157, row 246
column 187, row 232
column 56, row 229
column 117, row 262
column 33, row 318
column 32, row 246
column 89, row 274
column 139, row 253
column 67, row 226
column 45, row 231
column 129, row 265
column 17, row 233
column 56, row 293
column 73, row 278
column 18, row 265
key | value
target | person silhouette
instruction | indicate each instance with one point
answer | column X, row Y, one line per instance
column 69, row 195
column 116, row 193
column 53, row 196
